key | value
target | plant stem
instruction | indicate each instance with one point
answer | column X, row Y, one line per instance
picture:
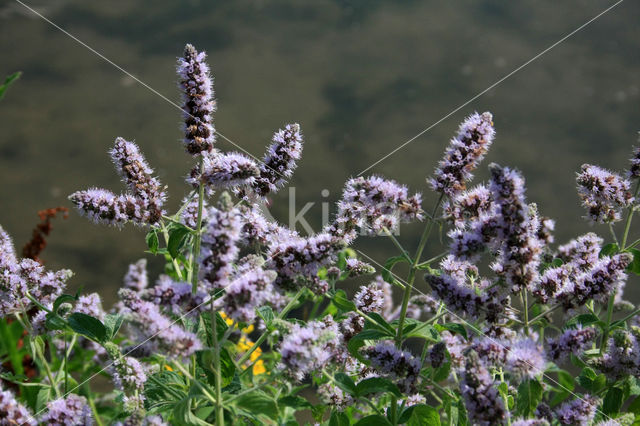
column 216, row 366
column 264, row 335
column 433, row 259
column 397, row 243
column 412, row 272
column 94, row 410
column 548, row 311
column 40, row 354
column 198, row 236
column 628, row 317
column 165, row 232
column 525, row 307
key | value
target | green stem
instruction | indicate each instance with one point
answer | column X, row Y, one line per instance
column 47, row 368
column 412, row 272
column 525, row 307
column 628, row 317
column 633, row 244
column 11, row 346
column 216, row 366
column 264, row 335
column 548, row 311
column 204, row 390
column 397, row 243
column 198, row 236
column 94, row 410
column 165, row 232
column 433, row 259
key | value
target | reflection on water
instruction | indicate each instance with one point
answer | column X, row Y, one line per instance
column 361, row 77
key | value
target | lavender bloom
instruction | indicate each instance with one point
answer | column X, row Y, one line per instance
column 357, row 267
column 469, row 205
column 219, row 247
column 437, row 354
column 605, row 277
column 465, row 151
column 545, row 231
column 171, row 337
column 572, row 341
column 397, row 365
column 70, row 411
column 335, row 397
column 518, row 245
column 583, row 252
column 491, row 351
column 481, row 398
column 298, row 260
column 453, row 288
column 351, row 325
column 578, row 412
column 199, row 106
column 309, row 348
column 19, row 277
column 129, row 375
column 256, row 229
column 370, row 298
column 415, row 399
column 603, row 193
column 101, row 206
column 12, row 412
column 371, row 203
column 623, row 354
column 189, row 213
column 177, row 297
column 530, row 422
column 226, row 171
column 279, row 162
column 525, row 359
column 551, row 283
column 136, row 277
column 90, row 304
column 248, row 291
column 154, row 421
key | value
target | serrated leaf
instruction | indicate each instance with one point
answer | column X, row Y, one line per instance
column 258, row 403
column 338, row 418
column 177, row 238
column 88, row 326
column 112, row 323
column 380, row 323
column 377, row 385
column 63, row 298
column 634, row 266
column 346, row 383
column 267, row 315
column 442, row 372
column 387, row 273
column 357, row 341
column 453, row 327
column 609, row 249
column 294, row 401
column 152, row 241
column 373, row 420
column 529, row 396
column 612, row 401
column 340, row 300
column 423, row 415
column 54, row 322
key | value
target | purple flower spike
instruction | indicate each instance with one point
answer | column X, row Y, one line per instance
column 464, row 153
column 12, row 412
column 226, row 171
column 572, row 341
column 398, row 365
column 484, row 404
column 578, row 412
column 604, row 194
column 72, row 410
column 219, row 247
column 136, row 277
column 197, row 91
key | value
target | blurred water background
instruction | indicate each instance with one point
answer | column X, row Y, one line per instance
column 360, row 76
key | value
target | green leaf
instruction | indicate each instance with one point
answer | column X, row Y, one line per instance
column 377, row 385
column 387, row 273
column 634, row 407
column 258, row 402
column 373, row 420
column 612, row 401
column 380, row 323
column 634, row 266
column 177, row 238
column 340, row 300
column 183, row 414
column 54, row 322
column 424, row 331
column 529, row 396
column 346, row 383
column 357, row 341
column 583, row 319
column 294, row 401
column 8, row 81
column 591, row 381
column 423, row 415
column 152, row 241
column 267, row 315
column 338, row 418
column 454, row 328
column 112, row 323
column 442, row 372
column 609, row 249
column 63, row 298
column 88, row 326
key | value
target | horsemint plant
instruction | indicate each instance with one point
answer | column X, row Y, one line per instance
column 513, row 330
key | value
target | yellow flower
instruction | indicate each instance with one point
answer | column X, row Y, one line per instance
column 166, row 367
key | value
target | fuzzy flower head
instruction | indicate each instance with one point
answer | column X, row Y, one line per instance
column 197, row 90
column 604, row 194
column 280, row 160
column 219, row 247
column 309, row 348
column 136, row 173
column 374, row 203
column 398, row 365
column 525, row 359
column 370, row 298
column 482, row 400
column 70, row 411
column 580, row 411
column 129, row 375
column 469, row 205
column 12, row 412
column 634, row 166
column 572, row 341
column 583, row 252
column 225, row 171
column 464, row 153
column 136, row 277
column 247, row 292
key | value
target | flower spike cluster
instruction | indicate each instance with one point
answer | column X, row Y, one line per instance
column 465, row 152
column 199, row 104
column 603, row 193
column 142, row 205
